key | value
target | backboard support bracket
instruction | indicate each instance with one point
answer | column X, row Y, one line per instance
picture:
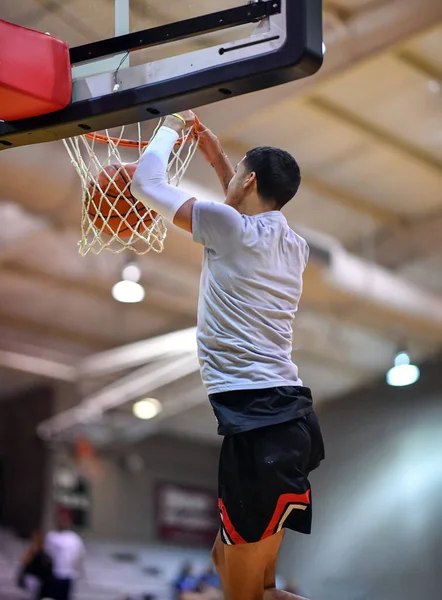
column 289, row 47
column 119, row 61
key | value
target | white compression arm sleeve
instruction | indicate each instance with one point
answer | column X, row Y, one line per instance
column 149, row 184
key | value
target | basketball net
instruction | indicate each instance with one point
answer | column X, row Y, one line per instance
column 149, row 230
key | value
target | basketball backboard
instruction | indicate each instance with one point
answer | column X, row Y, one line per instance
column 173, row 55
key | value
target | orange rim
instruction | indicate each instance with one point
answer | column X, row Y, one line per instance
column 124, row 143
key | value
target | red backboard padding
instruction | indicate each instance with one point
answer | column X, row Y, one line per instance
column 35, row 73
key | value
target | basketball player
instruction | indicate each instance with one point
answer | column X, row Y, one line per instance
column 250, row 287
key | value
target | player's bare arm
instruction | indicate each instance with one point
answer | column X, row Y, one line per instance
column 210, row 147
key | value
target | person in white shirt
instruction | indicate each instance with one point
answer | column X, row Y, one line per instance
column 251, row 284
column 67, row 551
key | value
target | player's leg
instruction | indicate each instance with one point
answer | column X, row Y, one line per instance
column 219, row 559
column 270, row 591
column 220, row 564
column 246, row 566
column 270, row 571
column 263, row 488
column 241, row 582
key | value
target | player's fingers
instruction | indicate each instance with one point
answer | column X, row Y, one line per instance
column 201, row 127
column 205, row 134
column 189, row 116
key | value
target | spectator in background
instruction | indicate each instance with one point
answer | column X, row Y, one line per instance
column 67, row 551
column 38, row 564
column 186, row 584
column 209, row 584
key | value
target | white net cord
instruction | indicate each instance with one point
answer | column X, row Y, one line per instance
column 112, row 219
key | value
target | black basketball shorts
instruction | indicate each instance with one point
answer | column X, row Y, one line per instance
column 263, row 480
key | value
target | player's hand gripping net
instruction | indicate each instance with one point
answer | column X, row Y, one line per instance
column 112, row 219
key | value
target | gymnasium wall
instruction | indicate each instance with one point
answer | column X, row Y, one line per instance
column 123, row 501
column 23, row 459
column 377, row 498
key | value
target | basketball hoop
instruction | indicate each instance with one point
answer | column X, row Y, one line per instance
column 112, row 219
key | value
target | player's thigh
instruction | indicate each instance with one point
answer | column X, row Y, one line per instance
column 270, row 570
column 219, row 561
column 247, row 566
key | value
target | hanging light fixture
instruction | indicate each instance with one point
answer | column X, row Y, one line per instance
column 403, row 372
column 147, row 409
column 128, row 290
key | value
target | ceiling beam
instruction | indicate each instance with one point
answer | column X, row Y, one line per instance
column 360, row 313
column 48, row 331
column 329, row 6
column 139, row 353
column 419, row 64
column 35, row 365
column 361, row 37
column 417, row 242
column 131, row 387
column 378, row 134
column 354, row 202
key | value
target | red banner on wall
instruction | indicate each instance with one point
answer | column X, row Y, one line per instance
column 186, row 514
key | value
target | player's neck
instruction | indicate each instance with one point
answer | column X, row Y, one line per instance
column 255, row 206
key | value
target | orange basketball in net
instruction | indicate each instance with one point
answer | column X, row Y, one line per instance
column 112, row 208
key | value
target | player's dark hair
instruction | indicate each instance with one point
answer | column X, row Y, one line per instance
column 278, row 176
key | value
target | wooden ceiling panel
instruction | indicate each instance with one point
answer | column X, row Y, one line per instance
column 40, row 178
column 340, row 153
column 69, row 20
column 176, row 10
column 22, row 12
column 389, row 180
column 428, row 46
column 395, row 96
column 313, row 138
column 350, row 5
column 323, row 214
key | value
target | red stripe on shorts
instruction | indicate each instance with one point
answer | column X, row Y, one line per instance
column 228, row 526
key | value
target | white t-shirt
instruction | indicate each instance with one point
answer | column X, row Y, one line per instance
column 67, row 551
column 251, row 283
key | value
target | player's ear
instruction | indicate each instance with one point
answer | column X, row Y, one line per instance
column 250, row 182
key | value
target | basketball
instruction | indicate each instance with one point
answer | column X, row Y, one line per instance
column 113, row 209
